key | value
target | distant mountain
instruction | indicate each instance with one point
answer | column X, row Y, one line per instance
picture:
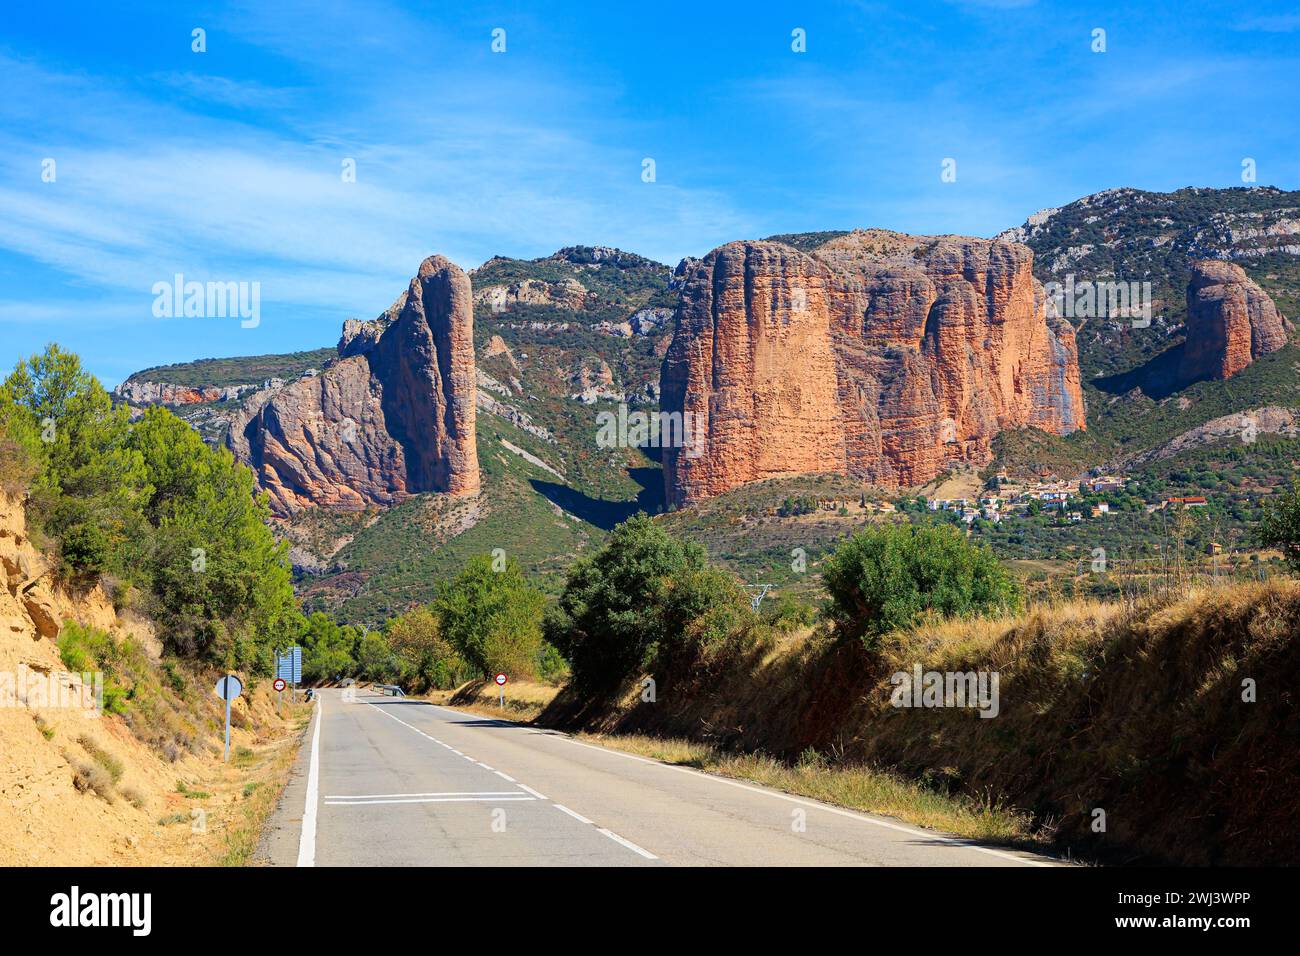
column 561, row 338
column 1133, row 236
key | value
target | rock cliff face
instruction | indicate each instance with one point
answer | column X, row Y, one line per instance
column 1231, row 322
column 162, row 393
column 393, row 417
column 878, row 355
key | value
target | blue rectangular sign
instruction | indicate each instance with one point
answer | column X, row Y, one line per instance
column 288, row 665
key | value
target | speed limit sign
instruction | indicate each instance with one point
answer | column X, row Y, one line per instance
column 278, row 683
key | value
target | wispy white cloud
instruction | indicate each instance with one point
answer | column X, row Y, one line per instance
column 140, row 196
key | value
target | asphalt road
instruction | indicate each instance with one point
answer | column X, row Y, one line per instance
column 384, row 781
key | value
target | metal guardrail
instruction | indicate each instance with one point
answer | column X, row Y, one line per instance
column 387, row 689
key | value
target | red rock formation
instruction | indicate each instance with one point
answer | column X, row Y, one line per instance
column 1231, row 322
column 394, row 416
column 878, row 355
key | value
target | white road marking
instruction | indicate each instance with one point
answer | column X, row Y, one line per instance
column 605, row 832
column 366, row 803
column 441, row 793
column 850, row 814
column 307, row 842
column 627, row 843
column 573, row 813
column 577, row 816
column 505, row 776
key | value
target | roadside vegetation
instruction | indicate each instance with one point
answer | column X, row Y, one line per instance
column 1159, row 709
column 170, row 526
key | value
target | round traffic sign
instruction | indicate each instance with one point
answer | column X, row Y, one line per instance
column 500, row 679
column 228, row 687
column 278, row 683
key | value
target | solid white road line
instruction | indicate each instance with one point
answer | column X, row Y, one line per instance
column 439, row 793
column 505, row 776
column 366, row 803
column 850, row 814
column 524, row 786
column 307, row 842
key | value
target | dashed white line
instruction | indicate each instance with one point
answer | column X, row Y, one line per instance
column 505, row 776
column 573, row 813
column 577, row 816
column 627, row 843
column 850, row 814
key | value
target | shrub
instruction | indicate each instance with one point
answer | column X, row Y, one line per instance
column 112, row 766
column 785, row 613
column 493, row 618
column 92, row 778
column 425, row 658
column 644, row 596
column 1280, row 525
column 328, row 649
column 88, row 648
column 551, row 665
column 890, row 576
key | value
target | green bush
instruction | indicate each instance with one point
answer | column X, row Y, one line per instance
column 425, row 659
column 87, row 649
column 890, row 576
column 328, row 650
column 644, row 596
column 493, row 618
column 1280, row 525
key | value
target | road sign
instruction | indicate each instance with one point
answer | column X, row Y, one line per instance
column 501, row 679
column 278, row 683
column 288, row 665
column 501, row 688
column 228, row 688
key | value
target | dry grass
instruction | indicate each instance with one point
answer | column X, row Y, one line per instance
column 855, row 787
column 1138, row 710
column 524, row 700
column 259, row 797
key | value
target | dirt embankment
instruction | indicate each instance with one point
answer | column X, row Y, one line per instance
column 141, row 782
column 1162, row 733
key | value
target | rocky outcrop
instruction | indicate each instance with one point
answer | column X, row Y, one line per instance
column 393, row 417
column 137, row 392
column 1244, row 426
column 564, row 294
column 878, row 355
column 1231, row 322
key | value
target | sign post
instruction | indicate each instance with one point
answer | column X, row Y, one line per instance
column 228, row 688
column 288, row 667
column 278, row 684
column 501, row 687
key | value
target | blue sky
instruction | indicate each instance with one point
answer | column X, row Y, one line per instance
column 226, row 165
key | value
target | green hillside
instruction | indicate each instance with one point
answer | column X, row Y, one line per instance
column 237, row 370
column 548, row 372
